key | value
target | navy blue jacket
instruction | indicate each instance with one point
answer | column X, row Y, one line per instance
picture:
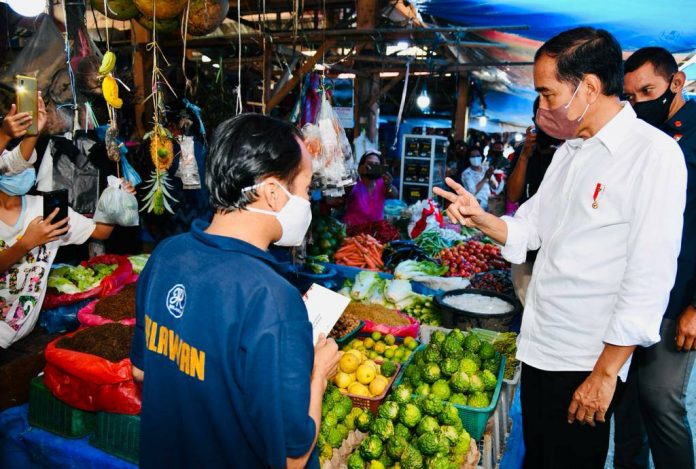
column 227, row 352
column 683, row 128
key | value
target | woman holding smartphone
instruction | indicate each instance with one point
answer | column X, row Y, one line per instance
column 366, row 200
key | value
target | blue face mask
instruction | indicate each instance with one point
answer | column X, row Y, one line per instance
column 19, row 184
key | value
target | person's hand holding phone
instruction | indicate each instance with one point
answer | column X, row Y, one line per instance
column 42, row 114
column 42, row 231
column 388, row 180
column 15, row 125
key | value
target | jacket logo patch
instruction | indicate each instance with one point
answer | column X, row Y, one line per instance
column 176, row 300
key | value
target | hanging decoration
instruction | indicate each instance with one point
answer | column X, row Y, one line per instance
column 159, row 197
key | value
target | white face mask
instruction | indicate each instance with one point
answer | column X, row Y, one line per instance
column 476, row 160
column 294, row 218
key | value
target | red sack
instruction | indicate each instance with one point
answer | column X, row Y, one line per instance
column 411, row 330
column 89, row 382
column 111, row 284
column 87, row 317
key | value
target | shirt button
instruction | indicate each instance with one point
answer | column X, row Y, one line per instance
column 678, row 124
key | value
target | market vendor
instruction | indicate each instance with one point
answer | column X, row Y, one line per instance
column 366, row 201
column 222, row 341
column 607, row 219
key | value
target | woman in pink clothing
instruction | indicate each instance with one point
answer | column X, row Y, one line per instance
column 366, row 200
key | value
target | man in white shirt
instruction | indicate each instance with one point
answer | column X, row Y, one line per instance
column 607, row 219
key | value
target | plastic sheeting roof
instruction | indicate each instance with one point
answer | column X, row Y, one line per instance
column 635, row 23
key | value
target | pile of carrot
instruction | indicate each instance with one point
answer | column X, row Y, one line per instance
column 361, row 251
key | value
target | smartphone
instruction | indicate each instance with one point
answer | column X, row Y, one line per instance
column 56, row 199
column 376, row 169
column 27, row 92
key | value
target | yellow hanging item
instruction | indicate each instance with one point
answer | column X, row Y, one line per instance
column 110, row 92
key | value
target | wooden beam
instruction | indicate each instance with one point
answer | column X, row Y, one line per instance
column 309, row 64
column 142, row 73
column 390, row 84
column 462, row 105
column 253, row 7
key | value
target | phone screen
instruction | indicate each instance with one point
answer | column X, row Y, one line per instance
column 28, row 100
column 56, row 199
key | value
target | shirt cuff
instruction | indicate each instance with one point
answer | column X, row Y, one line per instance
column 515, row 249
column 625, row 332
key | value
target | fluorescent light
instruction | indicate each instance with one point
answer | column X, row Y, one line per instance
column 402, row 45
column 421, row 73
column 388, row 74
column 483, row 121
column 28, row 7
column 205, row 59
column 346, row 75
column 309, row 53
column 423, row 101
column 216, row 65
column 320, row 67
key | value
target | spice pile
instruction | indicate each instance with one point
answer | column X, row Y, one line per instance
column 119, row 306
column 377, row 314
column 109, row 341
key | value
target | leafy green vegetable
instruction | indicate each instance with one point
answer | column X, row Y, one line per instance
column 138, row 262
column 71, row 280
column 410, row 269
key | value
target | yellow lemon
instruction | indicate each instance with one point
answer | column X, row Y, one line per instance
column 342, row 380
column 380, row 348
column 372, row 364
column 357, row 354
column 389, row 339
column 377, row 386
column 359, row 390
column 349, row 363
column 366, row 373
column 369, row 343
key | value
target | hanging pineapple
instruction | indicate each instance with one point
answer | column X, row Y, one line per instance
column 162, row 155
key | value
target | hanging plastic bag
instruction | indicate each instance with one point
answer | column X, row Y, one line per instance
column 116, row 206
column 188, row 168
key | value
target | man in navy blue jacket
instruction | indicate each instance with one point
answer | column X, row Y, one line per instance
column 652, row 416
column 223, row 343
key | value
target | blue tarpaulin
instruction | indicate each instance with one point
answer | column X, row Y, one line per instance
column 667, row 23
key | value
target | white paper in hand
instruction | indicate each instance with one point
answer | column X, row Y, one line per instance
column 324, row 307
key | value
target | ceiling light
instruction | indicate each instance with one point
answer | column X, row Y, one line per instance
column 205, row 59
column 423, row 101
column 483, row 121
column 216, row 65
column 346, row 75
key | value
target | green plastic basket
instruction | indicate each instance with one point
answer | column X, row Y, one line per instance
column 474, row 419
column 49, row 413
column 118, row 434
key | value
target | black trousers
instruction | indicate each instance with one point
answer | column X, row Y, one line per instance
column 550, row 441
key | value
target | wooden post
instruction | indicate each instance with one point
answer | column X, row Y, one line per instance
column 460, row 120
column 142, row 74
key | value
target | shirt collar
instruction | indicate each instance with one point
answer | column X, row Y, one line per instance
column 613, row 134
column 229, row 244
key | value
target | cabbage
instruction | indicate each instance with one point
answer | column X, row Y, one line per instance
column 398, row 290
column 365, row 281
column 63, row 285
column 409, row 269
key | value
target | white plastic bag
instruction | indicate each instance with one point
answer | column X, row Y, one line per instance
column 188, row 168
column 116, row 206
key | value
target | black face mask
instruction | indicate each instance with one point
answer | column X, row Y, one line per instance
column 372, row 177
column 656, row 111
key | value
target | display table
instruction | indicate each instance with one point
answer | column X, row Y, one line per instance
column 22, row 446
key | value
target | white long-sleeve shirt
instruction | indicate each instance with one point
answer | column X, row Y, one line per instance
column 603, row 275
column 12, row 162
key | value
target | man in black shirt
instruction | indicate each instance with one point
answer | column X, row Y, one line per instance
column 652, row 416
